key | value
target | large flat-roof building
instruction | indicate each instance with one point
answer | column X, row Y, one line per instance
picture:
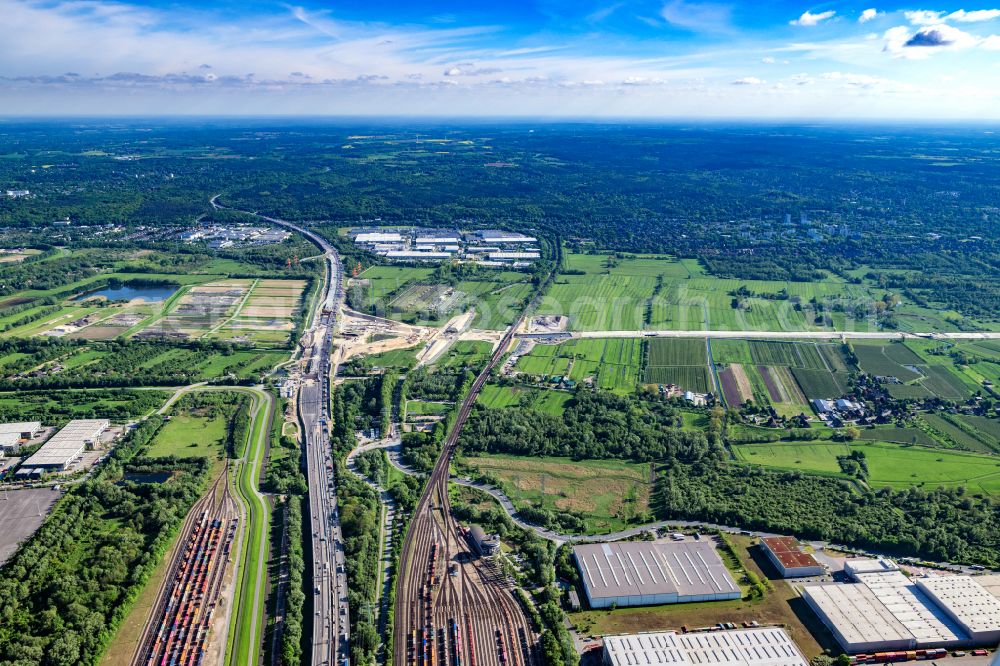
column 925, row 620
column 23, row 429
column 857, row 619
column 66, row 445
column 378, row 237
column 644, row 573
column 765, row 646
column 787, row 556
column 858, row 566
column 496, row 236
column 513, row 256
column 968, row 603
column 888, row 611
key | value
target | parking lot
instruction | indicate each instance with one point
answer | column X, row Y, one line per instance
column 21, row 512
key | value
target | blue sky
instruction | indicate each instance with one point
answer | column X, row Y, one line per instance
column 610, row 58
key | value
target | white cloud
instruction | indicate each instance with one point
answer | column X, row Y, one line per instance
column 768, row 60
column 748, row 81
column 991, row 43
column 868, row 15
column 927, row 17
column 923, row 17
column 927, row 40
column 810, row 19
column 974, row 16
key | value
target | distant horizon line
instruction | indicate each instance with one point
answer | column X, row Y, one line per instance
column 515, row 119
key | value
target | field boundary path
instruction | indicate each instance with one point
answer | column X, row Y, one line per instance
column 805, row 335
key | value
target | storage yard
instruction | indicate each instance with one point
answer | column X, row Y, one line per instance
column 643, row 573
column 180, row 626
column 764, row 646
column 21, row 512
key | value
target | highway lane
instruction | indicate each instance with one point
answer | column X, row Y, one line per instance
column 330, row 645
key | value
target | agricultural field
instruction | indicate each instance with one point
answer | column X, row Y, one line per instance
column 679, row 361
column 101, row 364
column 417, row 296
column 783, row 390
column 893, row 359
column 786, row 374
column 611, row 293
column 550, row 401
column 972, row 433
column 245, row 311
column 611, row 364
column 736, row 388
column 889, row 464
column 690, row 378
column 926, row 368
column 607, row 494
column 208, row 306
column 636, row 292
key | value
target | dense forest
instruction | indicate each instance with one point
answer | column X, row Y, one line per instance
column 593, row 425
column 725, row 193
column 944, row 525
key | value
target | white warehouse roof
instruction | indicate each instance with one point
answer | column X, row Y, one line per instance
column 495, row 236
column 378, row 237
column 20, row 427
column 768, row 646
column 862, row 566
column 857, row 618
column 968, row 602
column 645, row 572
column 68, row 443
column 500, row 256
column 915, row 610
column 437, row 240
column 418, row 255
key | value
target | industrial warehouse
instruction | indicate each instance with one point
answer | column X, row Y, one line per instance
column 13, row 434
column 766, row 646
column 65, row 446
column 786, row 555
column 645, row 573
column 487, row 247
column 888, row 611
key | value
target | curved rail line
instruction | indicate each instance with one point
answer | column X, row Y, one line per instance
column 430, row 604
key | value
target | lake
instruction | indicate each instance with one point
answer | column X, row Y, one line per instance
column 123, row 293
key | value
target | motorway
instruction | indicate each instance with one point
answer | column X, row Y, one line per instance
column 330, row 633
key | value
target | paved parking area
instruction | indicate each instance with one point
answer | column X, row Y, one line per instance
column 21, row 512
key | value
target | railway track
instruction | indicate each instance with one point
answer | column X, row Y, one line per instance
column 453, row 607
column 182, row 618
